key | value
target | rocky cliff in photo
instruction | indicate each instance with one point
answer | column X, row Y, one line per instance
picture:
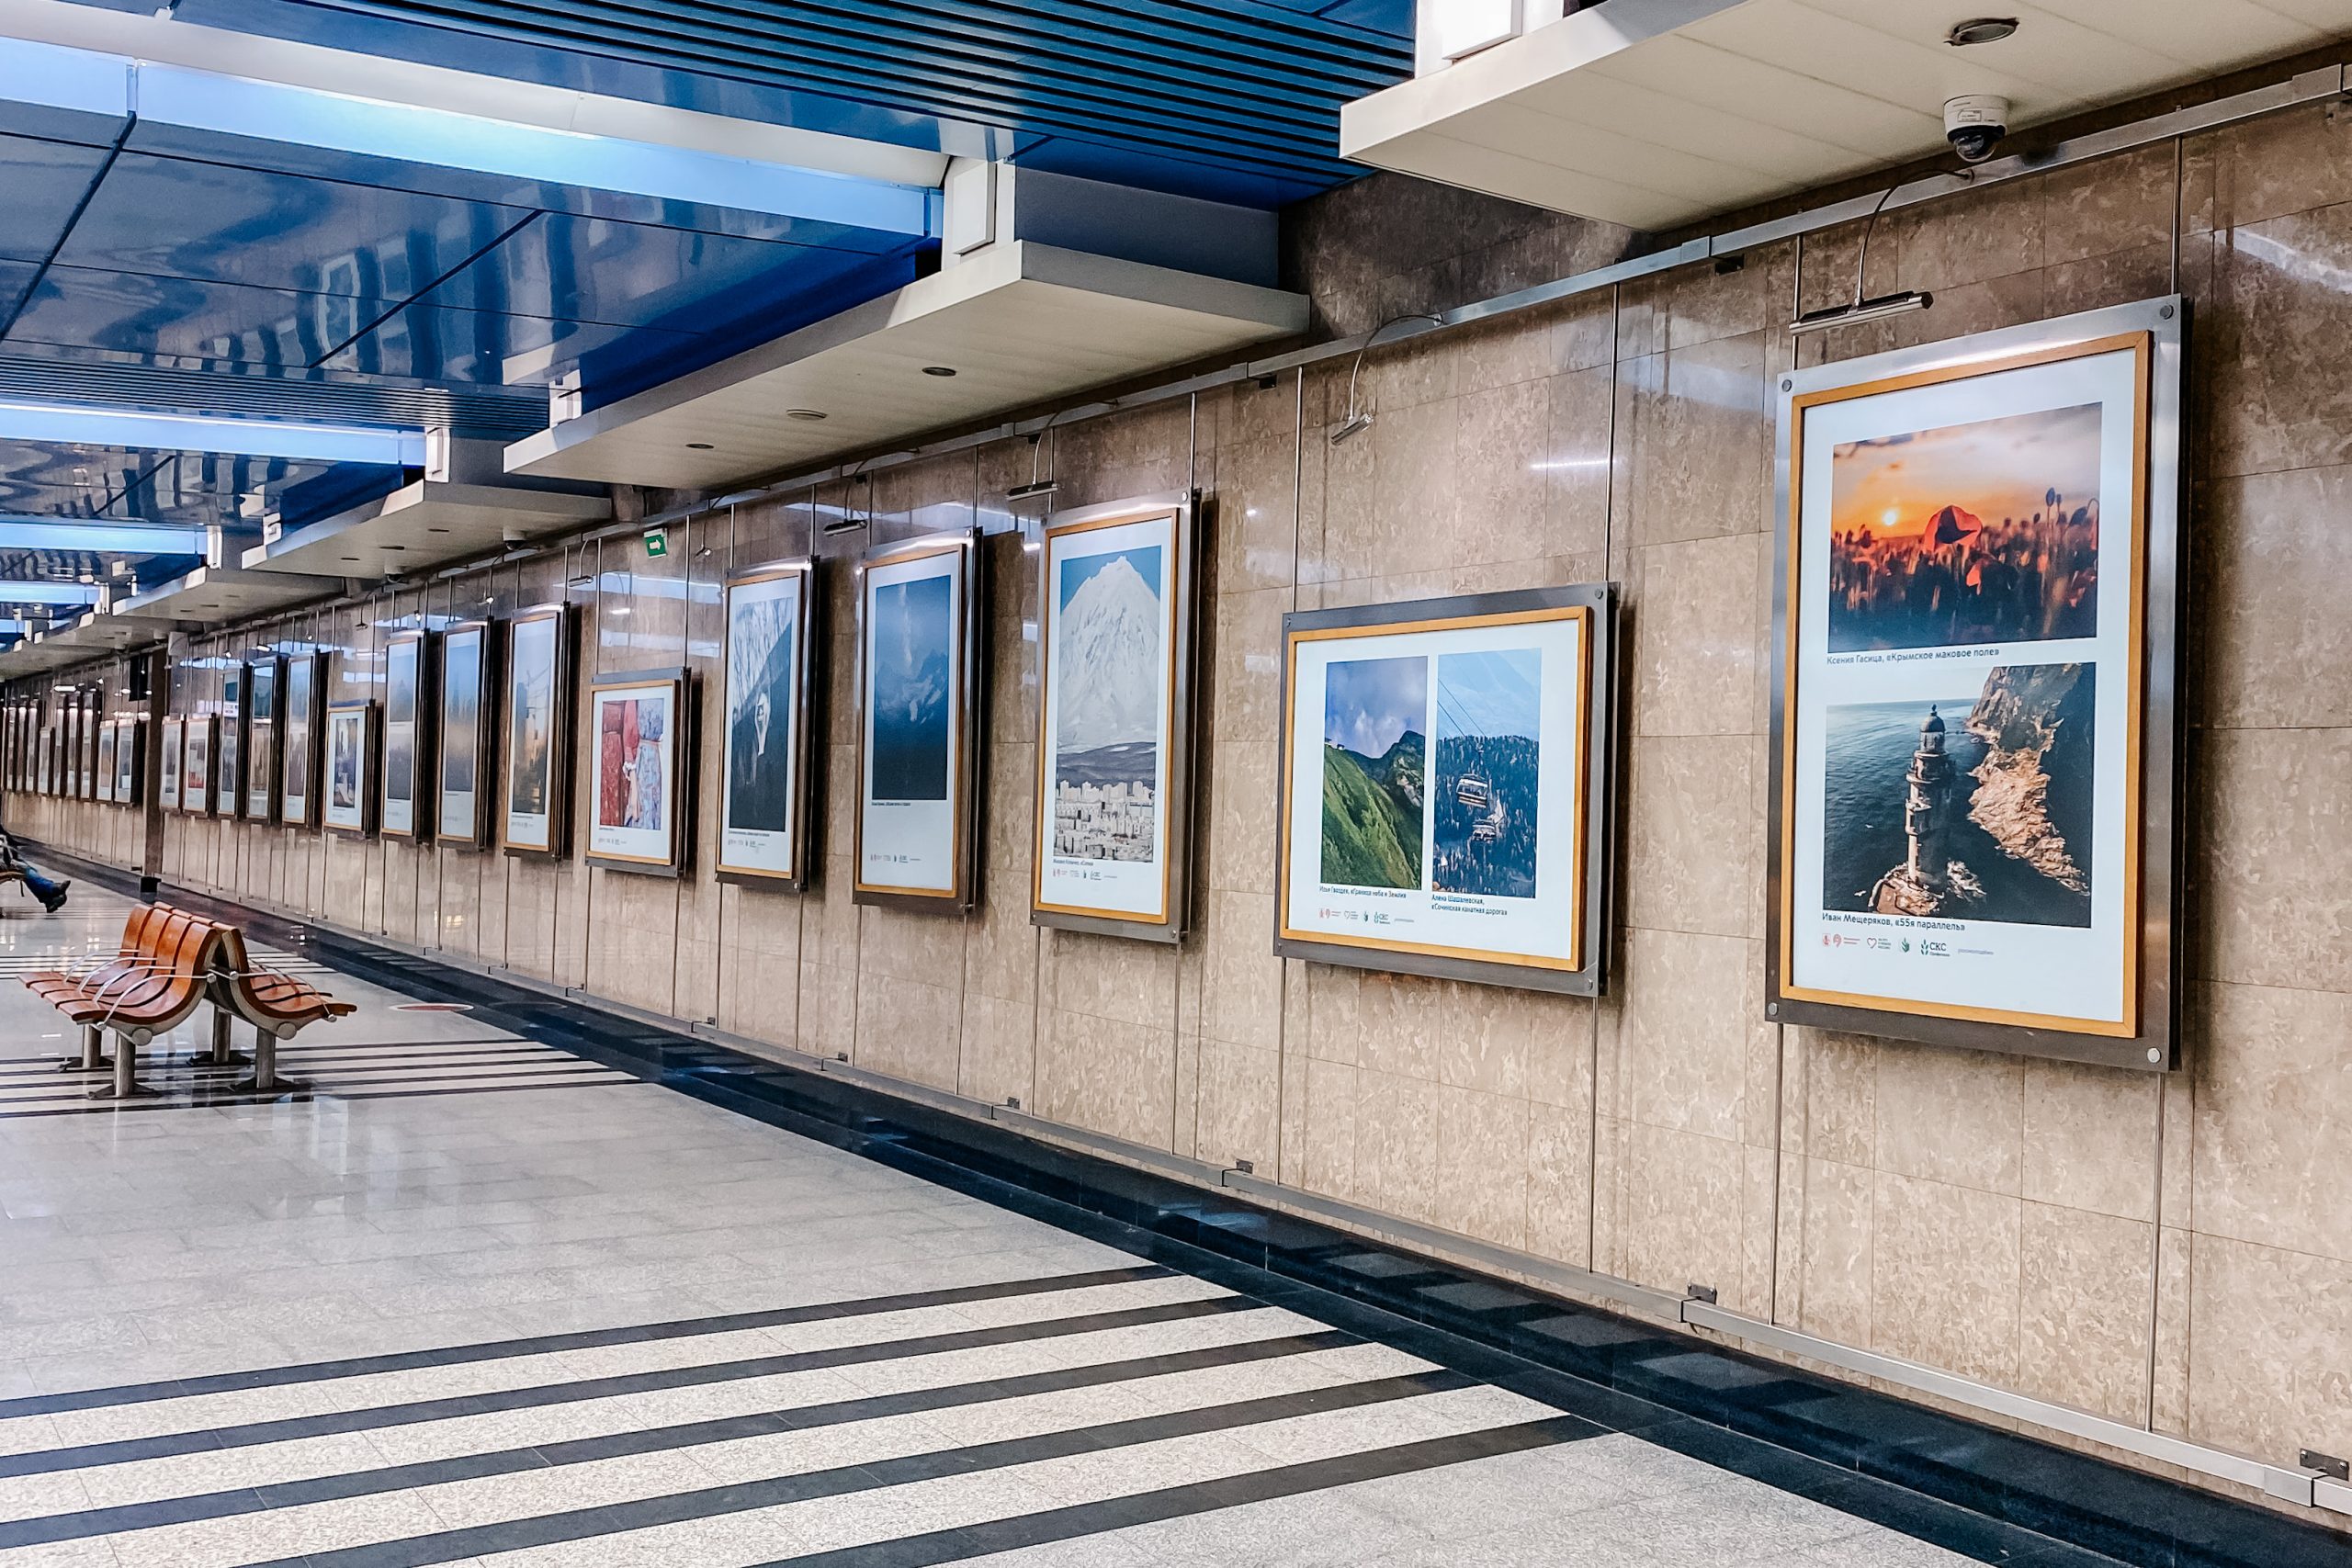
column 2033, row 794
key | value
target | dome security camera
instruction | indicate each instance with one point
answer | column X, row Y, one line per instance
column 1974, row 124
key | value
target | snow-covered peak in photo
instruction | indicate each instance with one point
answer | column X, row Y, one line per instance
column 1107, row 661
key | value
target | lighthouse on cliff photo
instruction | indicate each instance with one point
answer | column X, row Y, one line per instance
column 1919, row 885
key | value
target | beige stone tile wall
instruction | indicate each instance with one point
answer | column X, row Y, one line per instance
column 2171, row 1251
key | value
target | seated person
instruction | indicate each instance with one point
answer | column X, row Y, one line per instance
column 50, row 890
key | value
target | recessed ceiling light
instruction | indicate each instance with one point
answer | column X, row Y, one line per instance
column 353, row 560
column 804, row 413
column 1981, row 29
column 938, row 370
column 437, row 530
column 698, row 447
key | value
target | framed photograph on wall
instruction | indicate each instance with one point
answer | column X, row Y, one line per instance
column 467, row 741
column 1114, row 799
column 93, row 720
column 408, row 750
column 175, row 759
column 228, row 747
column 1443, row 802
column 109, row 741
column 764, row 783
column 353, row 742
column 639, row 743
column 1974, row 732
column 129, row 762
column 197, row 771
column 534, row 787
column 299, row 769
column 263, row 688
column 917, row 654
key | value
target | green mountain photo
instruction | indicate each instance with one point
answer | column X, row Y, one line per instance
column 1372, row 815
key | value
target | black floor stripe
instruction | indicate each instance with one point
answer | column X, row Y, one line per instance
column 322, row 1080
column 185, row 1056
column 50, row 1462
column 182, row 1046
column 1199, row 1498
column 582, row 1524
column 180, row 1072
column 579, row 1339
column 581, row 1451
column 300, row 1097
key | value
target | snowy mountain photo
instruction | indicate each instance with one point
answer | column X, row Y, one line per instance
column 1107, row 668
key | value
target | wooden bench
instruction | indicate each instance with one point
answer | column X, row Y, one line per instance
column 162, row 974
column 130, row 954
column 278, row 1007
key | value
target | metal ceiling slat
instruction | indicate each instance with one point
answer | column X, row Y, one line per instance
column 930, row 82
column 961, row 94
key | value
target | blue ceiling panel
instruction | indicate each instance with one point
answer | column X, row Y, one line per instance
column 431, row 344
column 233, row 225
column 593, row 269
column 188, row 320
column 43, row 182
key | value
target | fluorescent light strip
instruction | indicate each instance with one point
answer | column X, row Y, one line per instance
column 688, row 166
column 85, row 425
column 27, row 533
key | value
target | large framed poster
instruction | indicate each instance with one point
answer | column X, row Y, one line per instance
column 353, row 742
column 534, row 787
column 93, row 724
column 1443, row 807
column 1114, row 650
column 109, row 742
column 918, row 654
column 297, row 775
column 264, row 687
column 174, row 753
column 196, row 771
column 640, row 746
column 48, row 759
column 129, row 760
column 764, row 785
column 228, row 747
column 1975, row 668
column 467, row 735
column 408, row 750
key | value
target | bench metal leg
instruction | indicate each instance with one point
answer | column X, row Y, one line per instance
column 93, row 1058
column 265, row 1079
column 222, row 1054
column 126, row 1085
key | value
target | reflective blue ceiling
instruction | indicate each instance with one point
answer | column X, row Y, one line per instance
column 169, row 264
column 1234, row 100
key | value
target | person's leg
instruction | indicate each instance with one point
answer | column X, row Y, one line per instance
column 50, row 890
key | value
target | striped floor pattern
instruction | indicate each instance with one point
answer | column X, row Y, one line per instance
column 15, row 966
column 935, row 1426
column 34, row 1086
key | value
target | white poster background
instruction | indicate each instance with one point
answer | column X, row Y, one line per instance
column 403, row 661
column 531, row 675
column 197, row 797
column 2060, row 972
column 1075, row 881
column 347, row 736
column 301, row 699
column 462, row 657
column 757, row 848
column 650, row 844
column 1503, row 930
column 911, row 844
column 174, row 743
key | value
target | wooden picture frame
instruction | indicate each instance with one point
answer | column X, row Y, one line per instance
column 534, row 797
column 640, row 773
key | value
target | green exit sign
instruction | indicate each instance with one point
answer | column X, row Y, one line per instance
column 657, row 541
